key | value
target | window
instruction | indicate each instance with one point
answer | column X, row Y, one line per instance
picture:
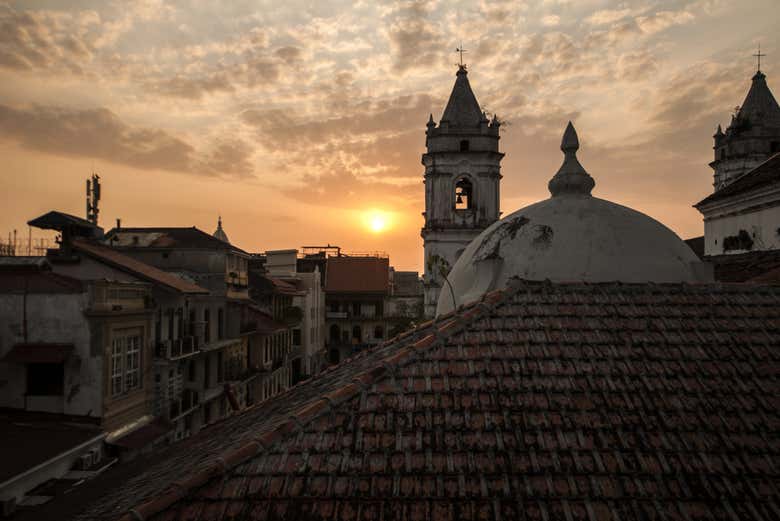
column 220, row 323
column 170, row 324
column 296, row 337
column 126, row 361
column 207, row 327
column 45, row 379
column 463, row 194
column 775, row 147
column 378, row 332
column 464, row 145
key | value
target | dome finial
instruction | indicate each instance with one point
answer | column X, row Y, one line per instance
column 571, row 178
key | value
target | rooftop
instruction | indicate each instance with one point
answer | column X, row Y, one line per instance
column 135, row 267
column 168, row 237
column 541, row 401
column 357, row 275
column 767, row 173
column 462, row 108
column 30, row 438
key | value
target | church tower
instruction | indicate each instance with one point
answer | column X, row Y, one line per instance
column 751, row 138
column 462, row 177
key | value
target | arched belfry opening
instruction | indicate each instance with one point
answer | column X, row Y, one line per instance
column 464, row 194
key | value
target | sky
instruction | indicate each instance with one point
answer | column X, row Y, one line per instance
column 303, row 123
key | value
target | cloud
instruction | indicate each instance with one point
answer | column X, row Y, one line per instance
column 551, row 20
column 607, row 16
column 663, row 20
column 101, row 134
column 415, row 40
column 39, row 40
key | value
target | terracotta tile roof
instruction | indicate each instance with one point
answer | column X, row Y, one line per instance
column 357, row 275
column 543, row 401
column 140, row 269
column 764, row 174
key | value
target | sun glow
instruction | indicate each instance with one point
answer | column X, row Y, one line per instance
column 377, row 221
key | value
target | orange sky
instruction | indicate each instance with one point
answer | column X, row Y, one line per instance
column 292, row 121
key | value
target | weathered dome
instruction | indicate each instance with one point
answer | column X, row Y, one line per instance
column 571, row 236
column 219, row 233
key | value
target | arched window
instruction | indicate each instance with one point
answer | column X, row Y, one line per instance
column 464, row 145
column 463, row 194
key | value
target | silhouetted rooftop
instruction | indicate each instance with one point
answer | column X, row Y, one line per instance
column 542, row 401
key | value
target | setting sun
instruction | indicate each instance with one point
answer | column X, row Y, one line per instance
column 377, row 221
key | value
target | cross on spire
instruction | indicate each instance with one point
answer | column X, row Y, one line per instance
column 758, row 55
column 460, row 50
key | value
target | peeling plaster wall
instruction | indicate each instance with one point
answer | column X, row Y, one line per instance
column 51, row 318
column 762, row 226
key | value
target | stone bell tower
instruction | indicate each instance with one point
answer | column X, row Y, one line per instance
column 462, row 178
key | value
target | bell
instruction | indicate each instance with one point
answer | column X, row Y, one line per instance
column 459, row 199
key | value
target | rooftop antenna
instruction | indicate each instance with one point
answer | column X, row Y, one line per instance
column 758, row 55
column 460, row 50
column 93, row 198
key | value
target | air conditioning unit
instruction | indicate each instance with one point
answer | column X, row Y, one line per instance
column 7, row 507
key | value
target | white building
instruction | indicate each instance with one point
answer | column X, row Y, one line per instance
column 743, row 214
column 462, row 178
column 309, row 337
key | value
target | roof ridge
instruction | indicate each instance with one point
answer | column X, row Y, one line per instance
column 309, row 411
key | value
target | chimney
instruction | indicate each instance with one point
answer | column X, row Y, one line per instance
column 118, row 223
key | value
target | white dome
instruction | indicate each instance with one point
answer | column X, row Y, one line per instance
column 570, row 237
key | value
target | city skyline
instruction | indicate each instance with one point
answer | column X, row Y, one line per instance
column 298, row 125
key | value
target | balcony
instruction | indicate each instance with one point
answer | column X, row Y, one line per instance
column 186, row 404
column 336, row 314
column 177, row 348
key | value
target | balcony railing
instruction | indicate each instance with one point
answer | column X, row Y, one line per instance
column 178, row 347
column 350, row 315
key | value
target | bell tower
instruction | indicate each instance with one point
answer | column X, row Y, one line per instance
column 462, row 178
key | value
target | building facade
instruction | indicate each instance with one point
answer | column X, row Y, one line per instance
column 741, row 217
column 462, row 183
